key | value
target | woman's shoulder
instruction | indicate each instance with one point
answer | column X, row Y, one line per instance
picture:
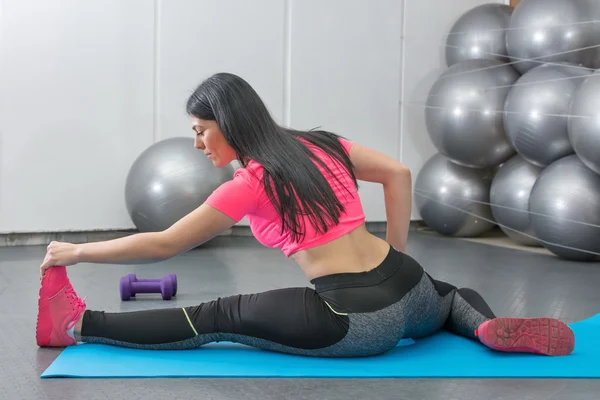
column 251, row 173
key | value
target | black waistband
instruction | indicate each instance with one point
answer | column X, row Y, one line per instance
column 372, row 290
column 391, row 264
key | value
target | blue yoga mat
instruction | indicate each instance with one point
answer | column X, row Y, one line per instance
column 443, row 355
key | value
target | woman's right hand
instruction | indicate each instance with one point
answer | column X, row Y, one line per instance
column 59, row 253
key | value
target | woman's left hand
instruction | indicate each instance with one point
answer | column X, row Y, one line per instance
column 59, row 253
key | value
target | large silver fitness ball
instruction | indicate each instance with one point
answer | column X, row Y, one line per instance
column 464, row 109
column 565, row 209
column 584, row 122
column 554, row 30
column 479, row 33
column 536, row 112
column 167, row 181
column 453, row 200
column 509, row 195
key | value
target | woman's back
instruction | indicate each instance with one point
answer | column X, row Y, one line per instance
column 346, row 246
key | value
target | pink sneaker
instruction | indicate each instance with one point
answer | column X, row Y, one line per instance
column 545, row 336
column 59, row 308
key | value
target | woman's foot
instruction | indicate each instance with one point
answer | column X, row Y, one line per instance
column 545, row 336
column 59, row 309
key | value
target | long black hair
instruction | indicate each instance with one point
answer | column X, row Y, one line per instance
column 293, row 183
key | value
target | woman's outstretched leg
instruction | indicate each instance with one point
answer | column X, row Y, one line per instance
column 472, row 317
column 292, row 320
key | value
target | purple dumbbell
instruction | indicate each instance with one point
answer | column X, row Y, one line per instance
column 173, row 278
column 129, row 286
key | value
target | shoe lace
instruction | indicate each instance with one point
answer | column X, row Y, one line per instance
column 76, row 302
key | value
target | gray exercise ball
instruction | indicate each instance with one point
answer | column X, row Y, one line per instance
column 167, row 181
column 453, row 200
column 584, row 122
column 479, row 33
column 536, row 112
column 463, row 112
column 509, row 198
column 565, row 209
column 554, row 30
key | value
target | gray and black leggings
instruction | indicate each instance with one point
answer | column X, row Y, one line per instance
column 346, row 315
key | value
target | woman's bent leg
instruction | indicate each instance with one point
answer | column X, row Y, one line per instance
column 471, row 316
column 432, row 305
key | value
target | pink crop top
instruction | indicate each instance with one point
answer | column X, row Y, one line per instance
column 244, row 196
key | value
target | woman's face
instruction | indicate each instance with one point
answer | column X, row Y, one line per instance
column 211, row 141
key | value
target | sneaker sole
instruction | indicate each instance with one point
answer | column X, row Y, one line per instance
column 544, row 336
column 46, row 326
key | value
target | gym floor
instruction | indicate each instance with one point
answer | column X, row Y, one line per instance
column 514, row 282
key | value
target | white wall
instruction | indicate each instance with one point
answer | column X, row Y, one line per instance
column 86, row 86
column 345, row 75
column 76, row 83
column 197, row 38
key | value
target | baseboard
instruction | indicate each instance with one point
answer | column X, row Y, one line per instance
column 44, row 238
column 494, row 237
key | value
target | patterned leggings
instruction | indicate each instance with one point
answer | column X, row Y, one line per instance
column 345, row 315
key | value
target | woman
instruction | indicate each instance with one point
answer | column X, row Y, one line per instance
column 299, row 192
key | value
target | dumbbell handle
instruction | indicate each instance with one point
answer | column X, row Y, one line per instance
column 145, row 287
column 173, row 278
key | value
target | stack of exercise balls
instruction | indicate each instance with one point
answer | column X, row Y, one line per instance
column 515, row 118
